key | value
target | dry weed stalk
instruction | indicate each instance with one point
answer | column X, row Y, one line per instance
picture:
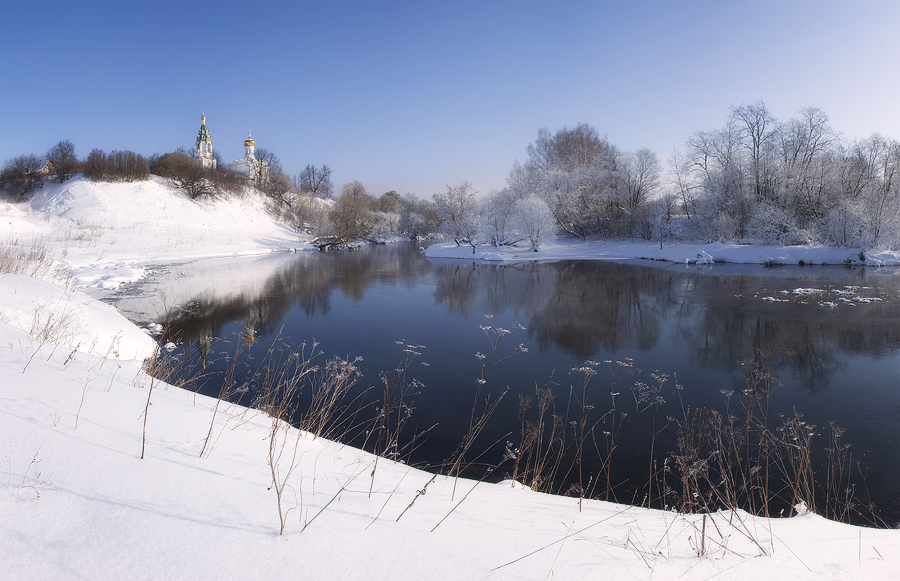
column 482, row 411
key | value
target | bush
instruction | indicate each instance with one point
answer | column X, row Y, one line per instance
column 21, row 177
column 185, row 173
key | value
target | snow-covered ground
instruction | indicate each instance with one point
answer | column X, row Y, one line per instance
column 692, row 253
column 77, row 501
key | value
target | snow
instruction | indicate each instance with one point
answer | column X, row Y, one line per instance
column 114, row 232
column 79, row 502
column 691, row 253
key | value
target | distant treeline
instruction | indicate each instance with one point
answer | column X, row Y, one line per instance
column 757, row 180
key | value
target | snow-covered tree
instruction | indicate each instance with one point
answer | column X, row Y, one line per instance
column 498, row 222
column 535, row 220
column 574, row 172
column 457, row 214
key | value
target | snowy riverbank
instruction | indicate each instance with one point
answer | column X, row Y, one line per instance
column 691, row 253
column 79, row 502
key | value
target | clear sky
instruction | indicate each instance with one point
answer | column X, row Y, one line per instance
column 412, row 96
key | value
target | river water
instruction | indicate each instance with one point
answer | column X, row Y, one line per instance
column 830, row 335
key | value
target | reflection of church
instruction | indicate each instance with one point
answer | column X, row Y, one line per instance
column 249, row 165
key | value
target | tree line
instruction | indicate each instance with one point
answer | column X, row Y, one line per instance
column 756, row 179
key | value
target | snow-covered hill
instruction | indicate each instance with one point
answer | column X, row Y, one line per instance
column 112, row 232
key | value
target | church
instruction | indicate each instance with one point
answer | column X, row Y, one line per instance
column 250, row 166
column 255, row 169
column 203, row 151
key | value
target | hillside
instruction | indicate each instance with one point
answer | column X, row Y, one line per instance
column 114, row 232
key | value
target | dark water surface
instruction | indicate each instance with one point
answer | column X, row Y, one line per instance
column 695, row 323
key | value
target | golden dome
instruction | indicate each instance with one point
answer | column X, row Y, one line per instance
column 249, row 140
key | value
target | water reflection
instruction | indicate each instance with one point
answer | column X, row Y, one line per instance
column 837, row 358
column 585, row 307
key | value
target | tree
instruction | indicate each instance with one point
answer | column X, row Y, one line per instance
column 574, row 172
column 755, row 123
column 278, row 186
column 21, row 175
column 267, row 164
column 115, row 166
column 498, row 211
column 65, row 163
column 185, row 173
column 724, row 206
column 389, row 202
column 535, row 220
column 418, row 218
column 457, row 213
column 351, row 216
column 638, row 180
column 94, row 166
column 315, row 181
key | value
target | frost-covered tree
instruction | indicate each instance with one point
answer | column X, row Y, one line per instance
column 639, row 176
column 418, row 218
column 534, row 220
column 498, row 222
column 574, row 172
column 457, row 214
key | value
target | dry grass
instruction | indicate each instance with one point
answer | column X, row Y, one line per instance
column 32, row 257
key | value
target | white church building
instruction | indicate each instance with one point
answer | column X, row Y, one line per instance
column 203, row 151
column 252, row 168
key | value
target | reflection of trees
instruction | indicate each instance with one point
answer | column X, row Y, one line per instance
column 724, row 329
column 308, row 282
column 585, row 307
column 588, row 308
column 612, row 308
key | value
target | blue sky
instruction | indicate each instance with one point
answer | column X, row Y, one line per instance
column 413, row 96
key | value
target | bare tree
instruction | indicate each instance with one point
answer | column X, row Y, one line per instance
column 21, row 175
column 351, row 216
column 756, row 125
column 185, row 173
column 315, row 181
column 638, row 180
column 266, row 163
column 115, row 166
column 62, row 156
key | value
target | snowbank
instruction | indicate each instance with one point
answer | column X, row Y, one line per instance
column 692, row 253
column 67, row 318
column 79, row 502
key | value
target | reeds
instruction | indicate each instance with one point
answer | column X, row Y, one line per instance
column 697, row 460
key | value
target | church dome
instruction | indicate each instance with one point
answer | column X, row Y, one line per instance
column 249, row 141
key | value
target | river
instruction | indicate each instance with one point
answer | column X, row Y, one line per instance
column 828, row 338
